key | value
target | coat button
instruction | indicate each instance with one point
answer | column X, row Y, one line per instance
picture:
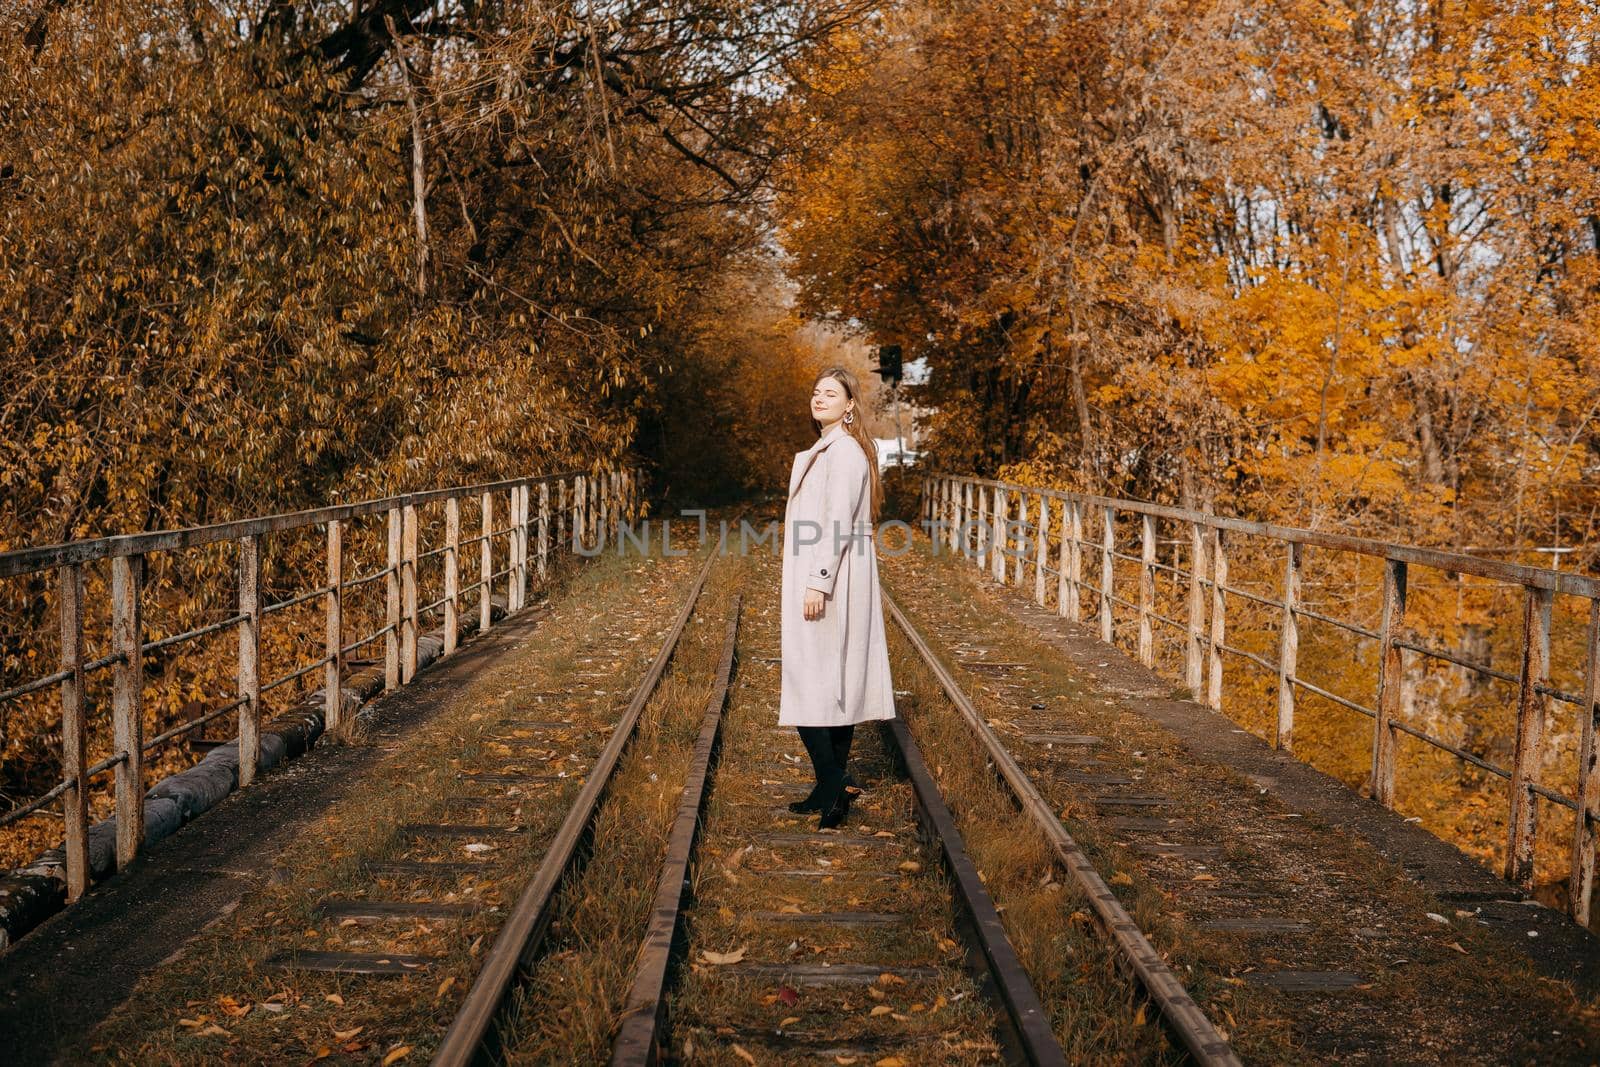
column 824, row 572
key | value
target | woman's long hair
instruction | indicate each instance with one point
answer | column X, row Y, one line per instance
column 857, row 428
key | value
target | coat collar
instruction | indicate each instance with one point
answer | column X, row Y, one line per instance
column 803, row 460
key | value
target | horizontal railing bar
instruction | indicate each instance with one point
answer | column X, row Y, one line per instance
column 429, row 607
column 1459, row 661
column 190, row 635
column 1569, row 582
column 35, row 804
column 374, row 576
column 301, row 599
column 465, row 541
column 34, row 686
column 1335, row 697
column 1250, row 596
column 1270, row 668
column 1170, row 622
column 27, row 560
column 183, row 728
column 366, row 640
column 433, row 552
column 1115, row 599
column 301, row 673
column 1352, row 627
column 1446, row 746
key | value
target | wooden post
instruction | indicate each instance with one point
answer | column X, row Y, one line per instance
column 249, row 658
column 333, row 641
column 1533, row 707
column 1194, row 653
column 1064, row 560
column 1108, row 544
column 485, row 562
column 1147, row 590
column 1385, row 739
column 544, row 531
column 391, row 586
column 1219, row 616
column 998, row 548
column 605, row 503
column 408, row 594
column 1022, row 538
column 74, row 731
column 1288, row 648
column 966, row 517
column 127, row 702
column 983, row 535
column 1041, row 550
column 580, row 495
column 1588, row 794
column 452, row 574
column 514, row 550
column 925, row 500
column 562, row 514
column 1075, row 561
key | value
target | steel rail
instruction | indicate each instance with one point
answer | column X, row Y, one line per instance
column 1177, row 1008
column 518, row 942
column 641, row 1037
column 1033, row 1037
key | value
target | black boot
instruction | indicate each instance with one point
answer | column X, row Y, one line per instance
column 830, row 779
column 821, row 752
column 841, row 737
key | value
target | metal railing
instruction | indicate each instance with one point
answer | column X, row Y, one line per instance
column 974, row 516
column 597, row 506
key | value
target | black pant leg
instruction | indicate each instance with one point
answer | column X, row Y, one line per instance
column 819, row 746
column 841, row 737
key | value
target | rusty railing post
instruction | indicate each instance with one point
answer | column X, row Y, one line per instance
column 1391, row 665
column 1194, row 649
column 74, row 731
column 485, row 562
column 452, row 574
column 1533, row 707
column 1041, row 550
column 333, row 632
column 1108, row 574
column 1219, row 616
column 1075, row 561
column 1147, row 590
column 1588, row 794
column 1288, row 648
column 127, row 702
column 998, row 546
column 391, row 587
column 1064, row 559
column 966, row 517
column 983, row 534
column 544, row 531
column 408, row 593
column 1022, row 537
column 249, row 658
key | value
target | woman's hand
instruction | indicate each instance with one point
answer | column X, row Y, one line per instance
column 813, row 603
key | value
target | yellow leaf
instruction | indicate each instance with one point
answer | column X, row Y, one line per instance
column 790, row 1021
column 1122, row 878
column 396, row 1054
column 723, row 957
column 333, row 998
column 881, row 1009
column 739, row 1051
column 346, row 1035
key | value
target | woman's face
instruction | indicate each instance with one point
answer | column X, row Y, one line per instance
column 828, row 400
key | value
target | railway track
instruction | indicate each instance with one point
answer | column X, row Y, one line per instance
column 976, row 994
column 766, row 941
column 1188, row 1024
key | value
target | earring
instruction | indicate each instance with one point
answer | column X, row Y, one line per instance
column 849, row 417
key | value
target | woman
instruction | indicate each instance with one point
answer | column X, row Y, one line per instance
column 835, row 656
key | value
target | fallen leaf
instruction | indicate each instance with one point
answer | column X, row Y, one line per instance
column 881, row 1009
column 346, row 1035
column 1122, row 878
column 333, row 998
column 395, row 1055
column 890, row 1061
column 723, row 957
column 911, row 866
column 444, row 986
column 788, row 995
column 790, row 1021
column 739, row 1051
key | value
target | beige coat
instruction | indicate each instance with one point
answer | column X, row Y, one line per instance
column 836, row 668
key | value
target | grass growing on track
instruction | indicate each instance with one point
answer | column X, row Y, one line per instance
column 216, row 1002
column 568, row 1009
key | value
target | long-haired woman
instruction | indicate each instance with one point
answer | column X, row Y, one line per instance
column 835, row 655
